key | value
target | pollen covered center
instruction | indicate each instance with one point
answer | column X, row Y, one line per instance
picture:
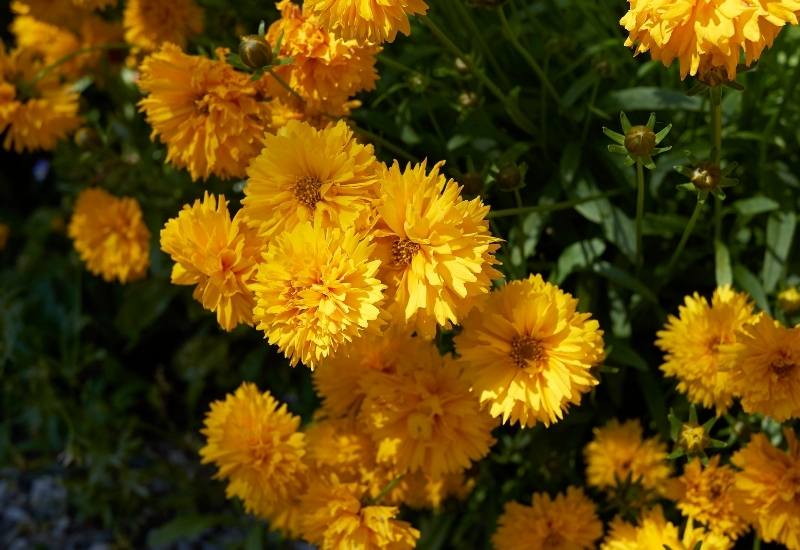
column 526, row 348
column 307, row 190
column 782, row 366
column 403, row 251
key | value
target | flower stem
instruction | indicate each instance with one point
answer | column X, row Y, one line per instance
column 386, row 144
column 698, row 207
column 639, row 211
column 544, row 208
column 716, row 133
column 285, row 85
column 476, row 32
column 72, row 55
column 386, row 490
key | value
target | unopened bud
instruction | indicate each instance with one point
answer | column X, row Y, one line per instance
column 706, row 176
column 255, row 51
column 472, row 183
column 640, row 141
column 509, row 177
column 693, row 438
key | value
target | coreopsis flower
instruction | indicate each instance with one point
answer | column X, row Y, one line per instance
column 437, row 251
column 567, row 522
column 255, row 443
column 706, row 35
column 57, row 12
column 216, row 254
column 692, row 341
column 149, row 24
column 49, row 41
column 211, row 117
column 316, row 290
column 768, row 488
column 764, row 368
column 325, row 70
column 335, row 517
column 654, row 532
column 5, row 231
column 36, row 110
column 619, row 451
column 94, row 4
column 789, row 299
column 303, row 172
column 110, row 236
column 706, row 495
column 529, row 353
column 424, row 417
column 373, row 21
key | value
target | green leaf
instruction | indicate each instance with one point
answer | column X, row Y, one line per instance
column 625, row 280
column 577, row 255
column 653, row 99
column 780, row 234
column 618, row 228
column 181, row 528
column 623, row 354
column 750, row 283
column 722, row 264
column 754, row 206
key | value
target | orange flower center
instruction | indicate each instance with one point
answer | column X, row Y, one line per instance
column 307, row 190
column 782, row 366
column 526, row 348
column 403, row 251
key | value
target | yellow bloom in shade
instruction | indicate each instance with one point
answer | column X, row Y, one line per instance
column 692, row 342
column 5, row 231
column 567, row 522
column 316, row 291
column 529, row 353
column 706, row 35
column 110, row 236
column 303, row 172
column 789, row 300
column 424, row 417
column 282, row 515
column 217, row 254
column 210, row 116
column 367, row 20
column 764, row 368
column 654, row 532
column 255, row 444
column 768, row 488
column 706, row 495
column 420, row 491
column 94, row 4
column 50, row 41
column 436, row 248
column 149, row 24
column 335, row 517
column 337, row 446
column 618, row 451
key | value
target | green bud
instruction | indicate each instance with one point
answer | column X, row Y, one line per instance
column 706, row 176
column 509, row 177
column 472, row 183
column 640, row 141
column 255, row 51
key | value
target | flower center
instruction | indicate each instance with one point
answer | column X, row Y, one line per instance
column 403, row 251
column 526, row 348
column 782, row 366
column 307, row 190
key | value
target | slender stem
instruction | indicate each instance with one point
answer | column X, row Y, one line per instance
column 394, row 64
column 386, row 144
column 685, row 237
column 72, row 55
column 756, row 542
column 285, row 85
column 476, row 32
column 716, row 133
column 773, row 121
column 386, row 490
column 639, row 211
column 543, row 208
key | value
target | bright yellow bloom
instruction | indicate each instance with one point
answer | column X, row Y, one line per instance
column 691, row 344
column 210, row 116
column 149, row 24
column 707, row 497
column 706, row 35
column 5, row 231
column 618, row 451
column 529, row 353
column 764, row 368
column 218, row 255
column 303, row 172
column 316, row 291
column 255, row 444
column 338, row 446
column 436, row 248
column 424, row 417
column 110, row 236
column 567, row 522
column 789, row 300
column 49, row 41
column 367, row 20
column 768, row 488
column 654, row 532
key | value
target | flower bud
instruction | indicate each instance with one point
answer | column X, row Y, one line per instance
column 706, row 176
column 640, row 141
column 693, row 438
column 472, row 183
column 509, row 177
column 255, row 51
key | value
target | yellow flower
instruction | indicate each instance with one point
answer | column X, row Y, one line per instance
column 529, row 353
column 691, row 343
column 325, row 70
column 567, row 522
column 654, row 532
column 316, row 291
column 367, row 20
column 303, row 172
column 149, row 24
column 618, row 451
column 94, row 4
column 707, row 497
column 424, row 417
column 218, row 255
column 35, row 112
column 764, row 368
column 256, row 446
column 62, row 13
column 337, row 446
column 49, row 41
column 706, row 35
column 210, row 116
column 420, row 491
column 110, row 236
column 768, row 488
column 693, row 438
column 334, row 517
column 436, row 248
column 789, row 300
column 5, row 231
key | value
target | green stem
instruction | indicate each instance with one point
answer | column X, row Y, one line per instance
column 386, row 490
column 698, row 207
column 773, row 122
column 639, row 211
column 476, row 32
column 756, row 542
column 394, row 64
column 386, row 144
column 544, row 208
column 285, row 85
column 716, row 152
column 72, row 55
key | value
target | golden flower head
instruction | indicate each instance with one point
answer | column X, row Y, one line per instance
column 149, row 24
column 789, row 300
column 654, row 532
column 303, row 172
column 217, row 254
column 619, row 451
column 693, row 437
column 692, row 342
column 373, row 21
column 567, row 522
column 763, row 367
column 94, row 4
column 316, row 291
column 338, row 446
column 706, row 35
column 437, row 251
column 420, row 491
column 211, row 117
column 529, row 353
column 255, row 444
column 110, row 236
